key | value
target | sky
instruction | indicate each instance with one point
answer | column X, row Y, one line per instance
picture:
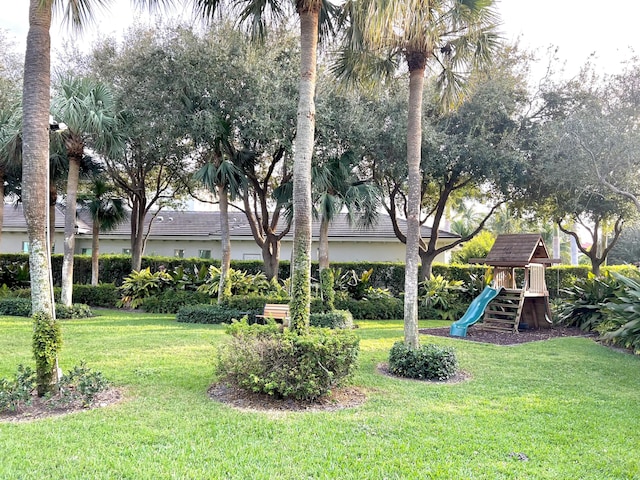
column 578, row 28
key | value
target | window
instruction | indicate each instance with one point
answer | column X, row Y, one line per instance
column 126, row 251
column 204, row 254
column 86, row 251
column 25, row 247
column 178, row 253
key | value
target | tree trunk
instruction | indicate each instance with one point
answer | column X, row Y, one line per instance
column 323, row 250
column 225, row 261
column 417, row 62
column 95, row 253
column 301, row 284
column 271, row 256
column 35, row 153
column 426, row 268
column 66, row 297
column 53, row 199
column 137, row 234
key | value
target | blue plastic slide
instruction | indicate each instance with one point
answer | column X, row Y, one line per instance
column 474, row 312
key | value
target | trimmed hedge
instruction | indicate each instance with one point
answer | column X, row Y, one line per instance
column 333, row 319
column 208, row 314
column 428, row 362
column 171, row 301
column 21, row 307
column 104, row 295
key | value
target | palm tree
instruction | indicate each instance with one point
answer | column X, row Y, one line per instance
column 224, row 179
column 452, row 35
column 87, row 109
column 336, row 187
column 107, row 212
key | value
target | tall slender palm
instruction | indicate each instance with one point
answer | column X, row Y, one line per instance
column 88, row 111
column 314, row 16
column 107, row 212
column 336, row 187
column 451, row 34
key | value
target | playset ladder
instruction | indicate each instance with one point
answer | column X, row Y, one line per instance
column 504, row 312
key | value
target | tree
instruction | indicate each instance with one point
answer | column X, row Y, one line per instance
column 107, row 211
column 88, row 111
column 449, row 33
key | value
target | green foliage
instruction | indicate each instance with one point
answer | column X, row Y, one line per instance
column 441, row 297
column 139, row 285
column 102, row 295
column 327, row 292
column 253, row 302
column 47, row 340
column 170, row 301
column 80, row 384
column 285, row 364
column 584, row 303
column 622, row 326
column 376, row 309
column 332, row 319
column 477, row 247
column 16, row 392
column 16, row 307
column 77, row 310
column 240, row 283
column 428, row 362
column 208, row 314
column 15, row 273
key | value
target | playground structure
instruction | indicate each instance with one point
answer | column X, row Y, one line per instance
column 505, row 306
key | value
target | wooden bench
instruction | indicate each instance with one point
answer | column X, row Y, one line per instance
column 276, row 311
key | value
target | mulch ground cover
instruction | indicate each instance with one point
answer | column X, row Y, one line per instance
column 475, row 334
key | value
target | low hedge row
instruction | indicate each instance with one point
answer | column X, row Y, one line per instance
column 21, row 307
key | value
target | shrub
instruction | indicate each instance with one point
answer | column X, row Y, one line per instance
column 16, row 307
column 139, row 285
column 375, row 309
column 16, row 392
column 583, row 305
column 328, row 294
column 253, row 302
column 208, row 314
column 332, row 319
column 428, row 362
column 477, row 247
column 242, row 283
column 623, row 321
column 441, row 298
column 77, row 310
column 102, row 295
column 80, row 384
column 170, row 301
column 285, row 364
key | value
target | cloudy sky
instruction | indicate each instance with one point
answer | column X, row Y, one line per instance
column 578, row 28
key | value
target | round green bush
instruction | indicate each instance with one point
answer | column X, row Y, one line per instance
column 264, row 359
column 428, row 362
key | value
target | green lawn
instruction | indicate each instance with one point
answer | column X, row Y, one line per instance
column 571, row 406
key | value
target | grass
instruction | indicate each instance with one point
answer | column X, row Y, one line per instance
column 567, row 405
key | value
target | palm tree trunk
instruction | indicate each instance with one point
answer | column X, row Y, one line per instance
column 323, row 250
column 95, row 253
column 35, row 151
column 414, row 143
column 225, row 261
column 301, row 284
column 66, row 296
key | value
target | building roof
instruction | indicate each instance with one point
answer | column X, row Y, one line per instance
column 518, row 250
column 176, row 224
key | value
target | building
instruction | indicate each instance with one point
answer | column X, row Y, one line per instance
column 197, row 234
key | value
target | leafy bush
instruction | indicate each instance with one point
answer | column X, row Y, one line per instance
column 253, row 302
column 441, row 297
column 80, row 384
column 208, row 314
column 428, row 362
column 622, row 326
column 142, row 284
column 170, row 301
column 16, row 307
column 376, row 309
column 477, row 247
column 102, row 295
column 77, row 310
column 583, row 304
column 332, row 319
column 242, row 283
column 262, row 359
column 16, row 392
